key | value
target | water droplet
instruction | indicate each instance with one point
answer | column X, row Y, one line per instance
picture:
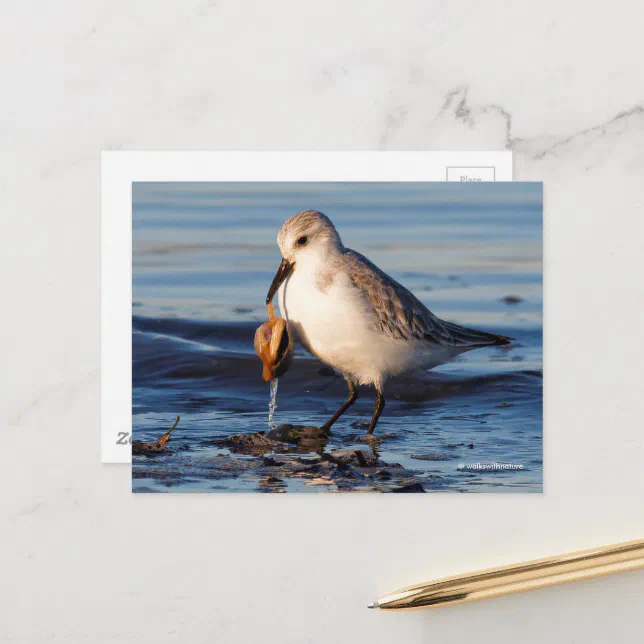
column 272, row 404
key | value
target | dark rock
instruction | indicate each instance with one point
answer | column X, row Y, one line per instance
column 412, row 487
column 388, row 471
column 326, row 467
column 295, row 434
column 367, row 438
column 252, row 444
column 310, row 459
column 253, row 440
column 228, row 465
column 157, row 446
column 370, row 439
column 511, row 299
column 432, row 457
column 148, row 448
column 270, row 460
column 356, row 457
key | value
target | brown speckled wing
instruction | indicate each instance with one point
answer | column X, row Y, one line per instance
column 401, row 315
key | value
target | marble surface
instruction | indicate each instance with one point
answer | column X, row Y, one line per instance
column 560, row 84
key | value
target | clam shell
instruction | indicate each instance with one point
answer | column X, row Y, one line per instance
column 274, row 346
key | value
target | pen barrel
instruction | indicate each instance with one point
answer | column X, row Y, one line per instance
column 529, row 575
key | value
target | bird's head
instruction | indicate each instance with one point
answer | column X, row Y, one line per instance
column 306, row 238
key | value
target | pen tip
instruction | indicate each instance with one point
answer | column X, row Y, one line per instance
column 374, row 605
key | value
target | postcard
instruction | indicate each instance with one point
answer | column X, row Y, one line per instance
column 121, row 169
column 336, row 336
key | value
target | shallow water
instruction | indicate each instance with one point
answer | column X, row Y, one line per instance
column 203, row 257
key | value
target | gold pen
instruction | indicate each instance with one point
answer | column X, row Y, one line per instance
column 516, row 578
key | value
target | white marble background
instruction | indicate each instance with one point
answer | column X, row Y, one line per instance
column 559, row 83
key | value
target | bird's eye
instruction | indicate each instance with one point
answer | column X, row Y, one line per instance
column 302, row 241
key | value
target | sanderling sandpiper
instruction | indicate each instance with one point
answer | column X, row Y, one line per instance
column 354, row 317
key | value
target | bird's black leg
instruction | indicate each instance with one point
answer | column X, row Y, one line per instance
column 353, row 396
column 377, row 410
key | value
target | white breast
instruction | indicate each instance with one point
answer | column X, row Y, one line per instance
column 338, row 326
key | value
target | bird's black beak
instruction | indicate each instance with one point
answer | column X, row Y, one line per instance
column 285, row 269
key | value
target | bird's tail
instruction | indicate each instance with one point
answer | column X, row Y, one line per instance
column 472, row 338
